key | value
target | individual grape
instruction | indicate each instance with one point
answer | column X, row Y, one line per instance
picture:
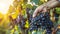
column 43, row 19
column 39, row 23
column 22, row 22
column 33, row 28
column 50, row 23
column 48, row 31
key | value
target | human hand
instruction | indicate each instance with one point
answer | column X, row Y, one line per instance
column 42, row 8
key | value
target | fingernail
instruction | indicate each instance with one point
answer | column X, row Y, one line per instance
column 33, row 15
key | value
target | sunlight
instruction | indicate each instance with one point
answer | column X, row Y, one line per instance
column 4, row 5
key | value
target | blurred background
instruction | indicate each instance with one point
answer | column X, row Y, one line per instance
column 16, row 15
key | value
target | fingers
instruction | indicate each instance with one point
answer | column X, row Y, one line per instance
column 39, row 9
column 35, row 12
column 45, row 10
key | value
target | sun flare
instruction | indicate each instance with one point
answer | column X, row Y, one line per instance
column 4, row 5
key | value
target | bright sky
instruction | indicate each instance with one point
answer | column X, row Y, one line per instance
column 4, row 5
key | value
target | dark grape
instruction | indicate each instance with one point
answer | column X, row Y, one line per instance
column 48, row 31
column 37, row 18
column 33, row 27
column 42, row 21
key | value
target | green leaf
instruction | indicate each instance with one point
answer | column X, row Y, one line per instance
column 57, row 10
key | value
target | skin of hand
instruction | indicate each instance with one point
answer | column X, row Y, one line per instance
column 39, row 9
column 46, row 7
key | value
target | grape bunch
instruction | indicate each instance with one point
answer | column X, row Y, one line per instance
column 42, row 21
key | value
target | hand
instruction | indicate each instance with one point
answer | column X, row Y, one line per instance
column 42, row 8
